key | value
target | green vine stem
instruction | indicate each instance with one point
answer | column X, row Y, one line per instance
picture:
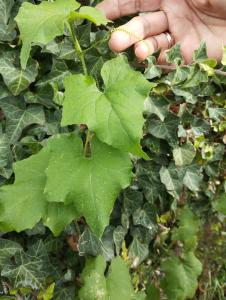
column 81, row 56
column 77, row 46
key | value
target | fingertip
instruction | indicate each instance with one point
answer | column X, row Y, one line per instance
column 143, row 49
column 119, row 41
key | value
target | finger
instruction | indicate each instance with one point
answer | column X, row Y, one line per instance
column 138, row 29
column 162, row 58
column 149, row 45
column 114, row 9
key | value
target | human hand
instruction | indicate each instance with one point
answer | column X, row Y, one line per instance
column 188, row 21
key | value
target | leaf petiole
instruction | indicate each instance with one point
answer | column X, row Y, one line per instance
column 77, row 46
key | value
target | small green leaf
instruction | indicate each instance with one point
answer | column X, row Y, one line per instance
column 47, row 294
column 138, row 252
column 115, row 115
column 193, row 179
column 158, row 106
column 89, row 244
column 47, row 21
column 171, row 178
column 184, row 155
column 166, row 129
column 187, row 229
column 181, row 275
column 200, row 53
column 173, row 55
column 117, row 284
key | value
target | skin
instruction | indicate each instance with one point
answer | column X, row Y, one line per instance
column 189, row 22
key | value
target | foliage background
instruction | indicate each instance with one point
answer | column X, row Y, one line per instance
column 175, row 205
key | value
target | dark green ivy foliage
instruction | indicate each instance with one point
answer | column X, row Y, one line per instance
column 168, row 227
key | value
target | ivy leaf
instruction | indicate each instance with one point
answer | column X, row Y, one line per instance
column 92, row 14
column 196, row 77
column 47, row 21
column 7, row 25
column 42, row 95
column 200, row 127
column 187, row 229
column 171, row 178
column 91, row 184
column 217, row 113
column 115, row 115
column 173, row 55
column 117, row 284
column 18, row 116
column 193, row 179
column 26, row 271
column 138, row 252
column 118, row 237
column 58, row 73
column 16, row 79
column 157, row 106
column 200, row 53
column 89, row 244
column 165, row 130
column 7, row 250
column 184, row 155
column 181, row 276
column 63, row 49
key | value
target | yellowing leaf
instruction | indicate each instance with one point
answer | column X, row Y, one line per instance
column 223, row 61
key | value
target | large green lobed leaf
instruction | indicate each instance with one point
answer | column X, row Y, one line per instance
column 47, row 21
column 60, row 184
column 115, row 115
column 90, row 184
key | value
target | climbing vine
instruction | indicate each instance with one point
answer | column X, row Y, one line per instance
column 111, row 170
